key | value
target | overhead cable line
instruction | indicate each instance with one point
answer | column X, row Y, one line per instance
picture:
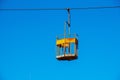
column 82, row 8
column 99, row 7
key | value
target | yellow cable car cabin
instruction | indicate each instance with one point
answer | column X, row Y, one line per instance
column 67, row 44
column 67, row 48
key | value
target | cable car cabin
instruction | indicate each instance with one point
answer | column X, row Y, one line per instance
column 67, row 47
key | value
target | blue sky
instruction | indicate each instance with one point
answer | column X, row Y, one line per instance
column 27, row 41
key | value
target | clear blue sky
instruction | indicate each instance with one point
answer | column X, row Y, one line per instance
column 27, row 41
